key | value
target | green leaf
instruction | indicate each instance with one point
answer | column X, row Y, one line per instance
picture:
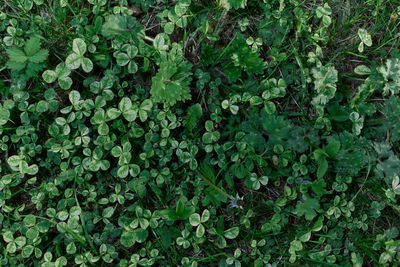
column 32, row 233
column 108, row 212
column 130, row 115
column 4, row 115
column 362, row 70
column 11, row 247
column 132, row 67
column 75, row 211
column 169, row 28
column 325, row 79
column 65, row 82
column 79, row 46
column 332, row 148
column 103, row 129
column 73, row 61
column 307, row 208
column 140, row 235
column 87, row 64
column 318, row 187
column 29, row 220
column 322, row 168
column 171, row 83
column 180, row 207
column 122, row 59
column 14, row 160
column 205, row 216
column 365, row 37
column 20, row 241
column 16, row 55
column 39, row 56
column 123, row 171
column 125, row 104
column 194, row 219
column 200, row 231
column 27, row 251
column 74, row 97
column 129, row 238
column 32, row 46
column 114, row 25
column 232, row 233
column 49, row 76
column 8, row 236
column 71, row 248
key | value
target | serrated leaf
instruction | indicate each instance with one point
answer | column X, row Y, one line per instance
column 308, row 208
column 332, row 148
column 16, row 55
column 39, row 56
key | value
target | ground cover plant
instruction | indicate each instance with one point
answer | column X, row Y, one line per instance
column 199, row 133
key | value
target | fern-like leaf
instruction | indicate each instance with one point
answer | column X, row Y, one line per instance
column 193, row 116
column 171, row 83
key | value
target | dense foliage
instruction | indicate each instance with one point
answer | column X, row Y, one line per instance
column 199, row 133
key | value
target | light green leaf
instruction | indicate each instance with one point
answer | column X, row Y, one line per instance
column 362, row 70
column 79, row 46
column 73, row 61
column 8, row 236
column 87, row 64
column 74, row 97
column 205, row 216
column 232, row 233
column 32, row 233
column 65, row 82
column 365, row 37
column 11, row 247
column 130, row 115
column 125, row 104
column 75, row 211
column 103, row 129
column 49, row 76
column 194, row 219
column 30, row 220
column 27, row 251
column 123, row 171
column 14, row 161
column 108, row 212
column 20, row 241
column 200, row 231
column 113, row 113
column 122, row 59
column 169, row 28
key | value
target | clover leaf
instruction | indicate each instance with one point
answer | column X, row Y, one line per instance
column 77, row 59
